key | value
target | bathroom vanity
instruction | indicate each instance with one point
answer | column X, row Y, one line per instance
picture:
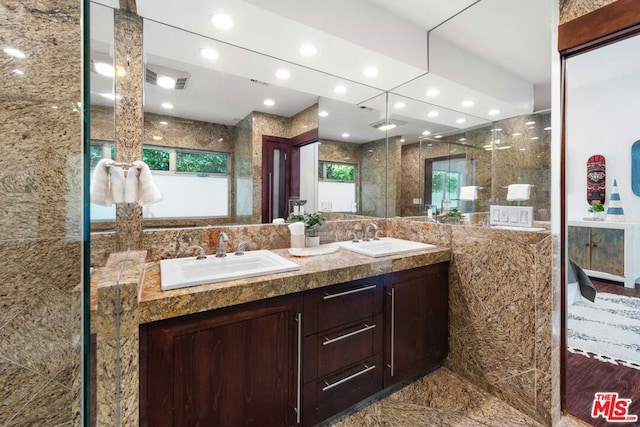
column 302, row 356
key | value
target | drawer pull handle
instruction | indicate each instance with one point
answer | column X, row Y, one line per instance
column 350, row 334
column 351, row 291
column 349, row 378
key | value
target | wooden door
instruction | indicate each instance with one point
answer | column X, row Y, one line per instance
column 416, row 316
column 607, row 250
column 223, row 368
column 276, row 178
column 579, row 242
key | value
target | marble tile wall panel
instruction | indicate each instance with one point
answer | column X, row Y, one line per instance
column 103, row 125
column 572, row 9
column 128, row 116
column 40, row 207
column 411, row 180
column 394, row 177
column 373, row 178
column 339, row 151
column 243, row 168
column 303, row 121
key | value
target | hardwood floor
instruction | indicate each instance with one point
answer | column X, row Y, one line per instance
column 587, row 376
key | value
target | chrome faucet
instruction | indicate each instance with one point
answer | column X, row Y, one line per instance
column 366, row 231
column 200, row 251
column 241, row 247
column 222, row 239
column 376, row 235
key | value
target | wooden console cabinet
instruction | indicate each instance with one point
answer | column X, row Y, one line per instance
column 606, row 250
column 297, row 359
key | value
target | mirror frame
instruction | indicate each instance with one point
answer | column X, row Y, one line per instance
column 609, row 24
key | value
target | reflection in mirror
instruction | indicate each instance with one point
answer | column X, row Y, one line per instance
column 102, row 100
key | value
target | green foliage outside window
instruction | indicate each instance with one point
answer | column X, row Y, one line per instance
column 443, row 181
column 95, row 153
column 201, row 162
column 158, row 160
column 337, row 171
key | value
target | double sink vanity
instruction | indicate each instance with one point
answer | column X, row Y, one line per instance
column 300, row 340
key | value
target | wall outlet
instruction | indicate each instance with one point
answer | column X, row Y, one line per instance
column 417, row 201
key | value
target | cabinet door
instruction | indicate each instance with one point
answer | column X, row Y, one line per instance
column 607, row 250
column 228, row 367
column 579, row 242
column 416, row 316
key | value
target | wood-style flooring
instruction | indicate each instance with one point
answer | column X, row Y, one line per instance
column 587, row 376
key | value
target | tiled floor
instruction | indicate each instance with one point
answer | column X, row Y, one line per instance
column 441, row 399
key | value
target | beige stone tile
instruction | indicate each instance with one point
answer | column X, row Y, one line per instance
column 369, row 416
column 50, row 406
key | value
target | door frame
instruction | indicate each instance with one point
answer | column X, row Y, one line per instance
column 268, row 142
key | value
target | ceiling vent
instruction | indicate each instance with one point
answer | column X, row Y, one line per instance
column 258, row 82
column 387, row 124
column 152, row 72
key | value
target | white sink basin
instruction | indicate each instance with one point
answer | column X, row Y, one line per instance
column 385, row 246
column 183, row 272
column 511, row 227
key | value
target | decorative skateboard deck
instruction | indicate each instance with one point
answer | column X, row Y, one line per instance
column 596, row 178
column 635, row 168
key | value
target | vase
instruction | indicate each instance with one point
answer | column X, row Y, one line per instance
column 313, row 241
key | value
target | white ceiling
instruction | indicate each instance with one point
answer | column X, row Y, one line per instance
column 492, row 51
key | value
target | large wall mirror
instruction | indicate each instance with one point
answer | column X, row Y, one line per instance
column 396, row 144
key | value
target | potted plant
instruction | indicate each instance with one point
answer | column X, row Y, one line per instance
column 596, row 209
column 454, row 216
column 312, row 223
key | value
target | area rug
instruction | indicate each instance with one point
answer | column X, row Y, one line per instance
column 607, row 329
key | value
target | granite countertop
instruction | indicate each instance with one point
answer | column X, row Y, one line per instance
column 315, row 272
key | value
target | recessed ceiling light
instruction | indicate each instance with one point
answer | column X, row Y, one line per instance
column 438, row 136
column 547, row 128
column 283, row 74
column 467, row 103
column 18, row 72
column 209, row 53
column 323, row 113
column 535, row 137
column 166, row 82
column 340, row 89
column 222, row 21
column 462, row 139
column 530, row 123
column 269, row 102
column 157, row 138
column 104, row 69
column 345, row 135
column 387, row 126
column 308, row 50
column 433, row 114
column 399, row 105
column 516, row 134
column 167, row 105
column 461, row 120
column 370, row 71
column 494, row 112
column 12, row 51
column 426, row 133
column 163, row 122
column 401, row 139
column 433, row 92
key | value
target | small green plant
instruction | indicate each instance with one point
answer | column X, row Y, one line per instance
column 596, row 206
column 453, row 216
column 312, row 222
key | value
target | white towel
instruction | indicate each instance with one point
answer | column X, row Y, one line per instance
column 99, row 190
column 469, row 192
column 518, row 192
column 148, row 190
column 116, row 178
column 131, row 192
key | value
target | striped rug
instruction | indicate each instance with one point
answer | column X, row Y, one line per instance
column 607, row 329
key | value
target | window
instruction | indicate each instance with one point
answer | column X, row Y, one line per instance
column 344, row 172
column 99, row 150
column 201, row 162
column 156, row 158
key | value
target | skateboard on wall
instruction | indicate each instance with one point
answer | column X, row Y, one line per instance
column 635, row 168
column 596, row 178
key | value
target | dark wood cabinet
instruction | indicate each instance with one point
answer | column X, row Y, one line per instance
column 228, row 367
column 295, row 359
column 416, row 321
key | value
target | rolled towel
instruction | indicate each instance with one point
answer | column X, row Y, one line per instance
column 116, row 177
column 131, row 191
column 518, row 192
column 99, row 190
column 149, row 192
column 469, row 192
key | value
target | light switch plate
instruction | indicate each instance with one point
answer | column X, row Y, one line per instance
column 515, row 216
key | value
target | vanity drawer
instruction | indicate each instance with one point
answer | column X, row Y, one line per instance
column 338, row 305
column 332, row 350
column 331, row 394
